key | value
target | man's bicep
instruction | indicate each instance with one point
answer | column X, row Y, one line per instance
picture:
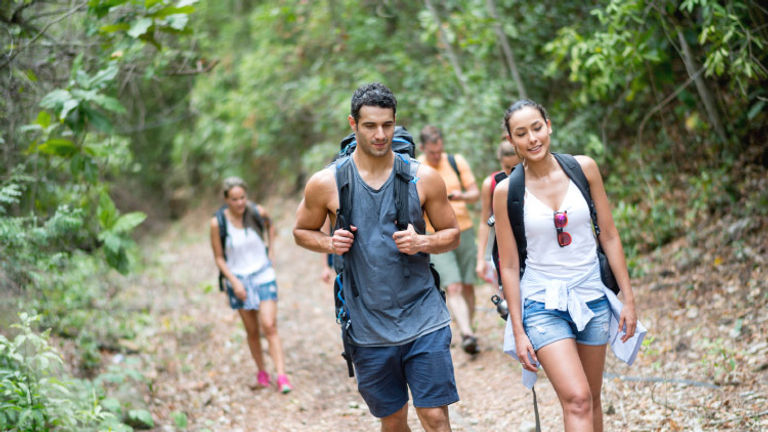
column 313, row 208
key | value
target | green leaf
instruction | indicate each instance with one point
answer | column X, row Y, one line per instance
column 43, row 119
column 55, row 99
column 140, row 418
column 112, row 405
column 107, row 211
column 67, row 107
column 140, row 27
column 128, row 221
column 104, row 76
column 31, row 75
column 179, row 419
column 112, row 242
column 172, row 10
column 112, row 28
column 98, row 120
column 756, row 109
column 109, row 103
column 58, row 147
column 178, row 21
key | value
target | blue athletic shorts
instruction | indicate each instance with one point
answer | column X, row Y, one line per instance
column 544, row 326
column 384, row 374
column 255, row 293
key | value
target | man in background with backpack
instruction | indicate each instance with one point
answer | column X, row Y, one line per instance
column 456, row 267
column 398, row 328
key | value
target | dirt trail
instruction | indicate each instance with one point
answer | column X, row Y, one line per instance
column 199, row 364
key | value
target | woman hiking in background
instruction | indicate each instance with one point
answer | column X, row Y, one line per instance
column 245, row 264
column 559, row 308
column 508, row 159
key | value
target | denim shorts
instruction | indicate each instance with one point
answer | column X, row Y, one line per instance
column 544, row 326
column 384, row 374
column 255, row 293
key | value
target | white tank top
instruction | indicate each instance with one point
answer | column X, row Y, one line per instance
column 546, row 260
column 246, row 254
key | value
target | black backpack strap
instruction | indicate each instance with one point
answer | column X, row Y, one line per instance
column 402, row 178
column 221, row 219
column 497, row 178
column 344, row 177
column 515, row 201
column 573, row 170
column 255, row 215
column 455, row 166
column 400, row 189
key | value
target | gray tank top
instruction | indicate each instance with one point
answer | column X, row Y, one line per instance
column 393, row 308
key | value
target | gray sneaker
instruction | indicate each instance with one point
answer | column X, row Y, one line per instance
column 469, row 344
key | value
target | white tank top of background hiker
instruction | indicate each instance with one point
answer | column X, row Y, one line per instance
column 246, row 254
column 546, row 259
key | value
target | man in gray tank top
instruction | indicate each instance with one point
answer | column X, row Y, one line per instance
column 400, row 327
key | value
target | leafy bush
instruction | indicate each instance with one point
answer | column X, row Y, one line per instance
column 37, row 395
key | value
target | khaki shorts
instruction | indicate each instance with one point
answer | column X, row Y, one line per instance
column 458, row 265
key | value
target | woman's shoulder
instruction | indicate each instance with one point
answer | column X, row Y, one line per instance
column 588, row 165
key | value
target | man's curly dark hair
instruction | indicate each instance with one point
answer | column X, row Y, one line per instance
column 373, row 94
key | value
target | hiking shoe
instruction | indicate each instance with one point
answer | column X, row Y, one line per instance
column 263, row 379
column 283, row 384
column 469, row 344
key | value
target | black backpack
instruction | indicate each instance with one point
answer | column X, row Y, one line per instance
column 515, row 199
column 404, row 148
column 251, row 211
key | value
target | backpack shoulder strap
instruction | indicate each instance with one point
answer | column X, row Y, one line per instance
column 222, row 221
column 573, row 170
column 515, row 202
column 258, row 219
column 495, row 179
column 402, row 178
column 344, row 177
column 455, row 167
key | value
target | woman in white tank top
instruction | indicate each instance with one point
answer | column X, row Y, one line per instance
column 559, row 311
column 246, row 265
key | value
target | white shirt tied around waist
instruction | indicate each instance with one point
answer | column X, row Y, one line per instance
column 559, row 297
column 565, row 295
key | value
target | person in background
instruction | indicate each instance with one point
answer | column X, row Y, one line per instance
column 508, row 159
column 246, row 264
column 456, row 267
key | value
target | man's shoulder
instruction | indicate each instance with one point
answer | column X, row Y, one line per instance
column 323, row 179
column 461, row 161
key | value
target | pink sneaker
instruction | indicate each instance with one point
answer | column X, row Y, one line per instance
column 263, row 379
column 283, row 384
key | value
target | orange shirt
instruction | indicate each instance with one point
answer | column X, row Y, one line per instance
column 452, row 184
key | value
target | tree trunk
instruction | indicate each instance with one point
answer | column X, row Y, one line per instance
column 448, row 49
column 706, row 97
column 506, row 49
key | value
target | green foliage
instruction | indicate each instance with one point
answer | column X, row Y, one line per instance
column 36, row 393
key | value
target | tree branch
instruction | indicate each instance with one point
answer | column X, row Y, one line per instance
column 505, row 48
column 666, row 100
column 39, row 34
column 448, row 49
column 199, row 69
